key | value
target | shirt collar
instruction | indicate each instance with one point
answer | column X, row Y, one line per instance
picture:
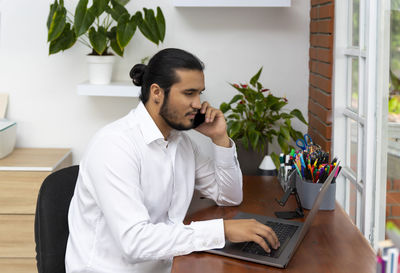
column 148, row 127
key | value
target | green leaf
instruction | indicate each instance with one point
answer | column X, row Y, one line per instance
column 270, row 100
column 259, row 96
column 84, row 18
column 235, row 128
column 241, row 108
column 278, row 106
column 296, row 134
column 237, row 87
column 224, row 107
column 283, row 143
column 53, row 8
column 117, row 49
column 251, row 126
column 160, row 24
column 255, row 78
column 148, row 25
column 150, row 18
column 299, row 115
column 122, row 2
column 112, row 35
column 259, row 107
column 236, row 98
column 259, row 86
column 288, row 123
column 64, row 41
column 57, row 24
column 234, row 116
column 285, row 132
column 98, row 7
column 245, row 142
column 254, row 136
column 98, row 39
column 275, row 159
column 286, row 116
column 117, row 10
column 125, row 30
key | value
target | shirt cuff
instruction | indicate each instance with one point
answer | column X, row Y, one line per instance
column 208, row 234
column 225, row 157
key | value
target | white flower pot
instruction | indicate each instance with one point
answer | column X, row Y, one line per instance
column 100, row 68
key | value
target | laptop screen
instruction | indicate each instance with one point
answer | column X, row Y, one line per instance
column 315, row 207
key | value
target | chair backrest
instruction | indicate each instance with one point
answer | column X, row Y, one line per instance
column 51, row 219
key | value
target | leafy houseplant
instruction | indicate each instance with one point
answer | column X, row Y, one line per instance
column 105, row 24
column 256, row 117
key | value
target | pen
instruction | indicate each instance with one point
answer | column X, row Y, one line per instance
column 309, row 167
column 297, row 168
column 302, row 161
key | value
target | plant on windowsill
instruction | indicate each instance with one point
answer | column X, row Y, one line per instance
column 105, row 24
column 256, row 117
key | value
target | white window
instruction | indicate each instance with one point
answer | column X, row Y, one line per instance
column 361, row 76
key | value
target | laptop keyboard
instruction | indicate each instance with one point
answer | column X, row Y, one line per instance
column 283, row 231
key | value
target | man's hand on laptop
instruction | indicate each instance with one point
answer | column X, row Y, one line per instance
column 246, row 230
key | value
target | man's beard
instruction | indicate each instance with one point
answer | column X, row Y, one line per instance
column 170, row 117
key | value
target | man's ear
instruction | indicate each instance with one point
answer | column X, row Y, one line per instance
column 156, row 93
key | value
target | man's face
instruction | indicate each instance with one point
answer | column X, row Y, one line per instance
column 183, row 101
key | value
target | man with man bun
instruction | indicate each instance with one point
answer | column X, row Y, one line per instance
column 138, row 174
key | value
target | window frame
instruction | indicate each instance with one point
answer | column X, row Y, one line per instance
column 373, row 67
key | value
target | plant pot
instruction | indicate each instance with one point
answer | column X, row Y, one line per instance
column 100, row 68
column 249, row 160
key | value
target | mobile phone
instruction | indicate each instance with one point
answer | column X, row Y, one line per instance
column 199, row 118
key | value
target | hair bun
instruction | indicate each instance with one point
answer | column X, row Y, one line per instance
column 137, row 73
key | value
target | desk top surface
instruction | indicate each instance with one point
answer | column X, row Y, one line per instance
column 333, row 243
column 34, row 159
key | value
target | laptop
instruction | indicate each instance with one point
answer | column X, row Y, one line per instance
column 293, row 231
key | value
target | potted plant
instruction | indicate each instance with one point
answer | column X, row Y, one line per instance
column 105, row 24
column 256, row 117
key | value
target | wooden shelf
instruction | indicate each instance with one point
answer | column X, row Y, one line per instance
column 114, row 89
column 232, row 3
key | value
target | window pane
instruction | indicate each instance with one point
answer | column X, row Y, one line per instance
column 356, row 23
column 394, row 95
column 358, row 209
column 353, row 98
column 352, row 144
column 352, row 201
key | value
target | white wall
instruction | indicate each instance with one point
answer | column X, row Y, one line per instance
column 232, row 42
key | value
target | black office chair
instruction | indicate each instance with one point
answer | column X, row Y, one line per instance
column 51, row 219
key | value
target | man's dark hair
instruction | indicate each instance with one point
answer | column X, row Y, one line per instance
column 162, row 70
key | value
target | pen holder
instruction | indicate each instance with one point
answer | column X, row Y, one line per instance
column 308, row 191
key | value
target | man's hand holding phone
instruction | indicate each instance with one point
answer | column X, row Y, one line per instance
column 214, row 125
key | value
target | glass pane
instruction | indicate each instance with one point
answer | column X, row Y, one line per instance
column 352, row 144
column 358, row 209
column 393, row 133
column 353, row 103
column 352, row 201
column 360, row 152
column 394, row 95
column 356, row 23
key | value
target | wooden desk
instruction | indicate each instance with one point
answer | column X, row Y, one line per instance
column 333, row 243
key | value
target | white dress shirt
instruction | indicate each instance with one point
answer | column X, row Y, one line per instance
column 132, row 194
